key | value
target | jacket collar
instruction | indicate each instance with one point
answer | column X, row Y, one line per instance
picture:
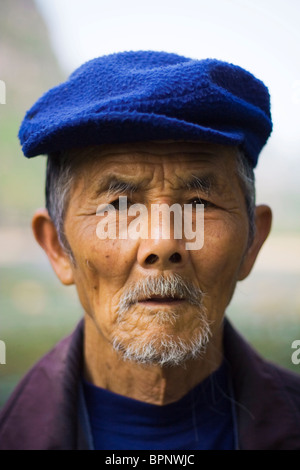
column 44, row 412
column 41, row 412
column 267, row 418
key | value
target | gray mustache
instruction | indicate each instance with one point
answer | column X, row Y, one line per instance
column 174, row 286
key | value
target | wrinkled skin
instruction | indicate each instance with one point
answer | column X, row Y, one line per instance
column 104, row 269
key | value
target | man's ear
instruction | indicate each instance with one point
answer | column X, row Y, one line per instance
column 46, row 235
column 263, row 220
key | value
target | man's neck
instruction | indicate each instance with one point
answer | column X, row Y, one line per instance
column 154, row 384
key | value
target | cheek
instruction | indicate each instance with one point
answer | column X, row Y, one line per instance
column 103, row 267
column 219, row 260
column 110, row 260
column 103, row 257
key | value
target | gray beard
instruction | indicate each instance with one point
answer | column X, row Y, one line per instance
column 164, row 350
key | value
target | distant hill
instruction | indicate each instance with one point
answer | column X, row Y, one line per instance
column 27, row 62
column 29, row 68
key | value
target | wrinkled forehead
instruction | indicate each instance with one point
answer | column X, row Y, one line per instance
column 153, row 155
column 155, row 165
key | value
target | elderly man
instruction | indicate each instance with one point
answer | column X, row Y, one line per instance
column 154, row 364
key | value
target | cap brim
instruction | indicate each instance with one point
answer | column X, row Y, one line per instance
column 117, row 127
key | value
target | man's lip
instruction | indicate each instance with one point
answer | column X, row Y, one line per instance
column 161, row 299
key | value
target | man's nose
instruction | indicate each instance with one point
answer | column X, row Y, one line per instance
column 162, row 254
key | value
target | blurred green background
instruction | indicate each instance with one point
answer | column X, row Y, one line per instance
column 35, row 310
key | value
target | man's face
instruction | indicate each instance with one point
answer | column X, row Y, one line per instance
column 107, row 271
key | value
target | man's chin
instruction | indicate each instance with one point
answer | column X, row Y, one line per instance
column 164, row 350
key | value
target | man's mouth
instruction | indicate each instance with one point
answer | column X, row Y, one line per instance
column 159, row 299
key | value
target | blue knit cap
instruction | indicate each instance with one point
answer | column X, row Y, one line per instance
column 147, row 95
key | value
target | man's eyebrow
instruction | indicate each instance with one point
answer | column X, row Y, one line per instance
column 118, row 185
column 113, row 185
column 207, row 183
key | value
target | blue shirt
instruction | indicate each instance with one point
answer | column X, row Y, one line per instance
column 202, row 419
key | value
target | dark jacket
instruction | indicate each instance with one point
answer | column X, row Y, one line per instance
column 44, row 412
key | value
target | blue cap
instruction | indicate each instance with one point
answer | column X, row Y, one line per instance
column 148, row 95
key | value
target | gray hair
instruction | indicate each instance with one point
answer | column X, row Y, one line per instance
column 247, row 181
column 62, row 171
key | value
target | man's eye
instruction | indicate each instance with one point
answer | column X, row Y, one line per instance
column 121, row 206
column 198, row 200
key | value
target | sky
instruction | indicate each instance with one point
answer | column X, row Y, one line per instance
column 263, row 36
